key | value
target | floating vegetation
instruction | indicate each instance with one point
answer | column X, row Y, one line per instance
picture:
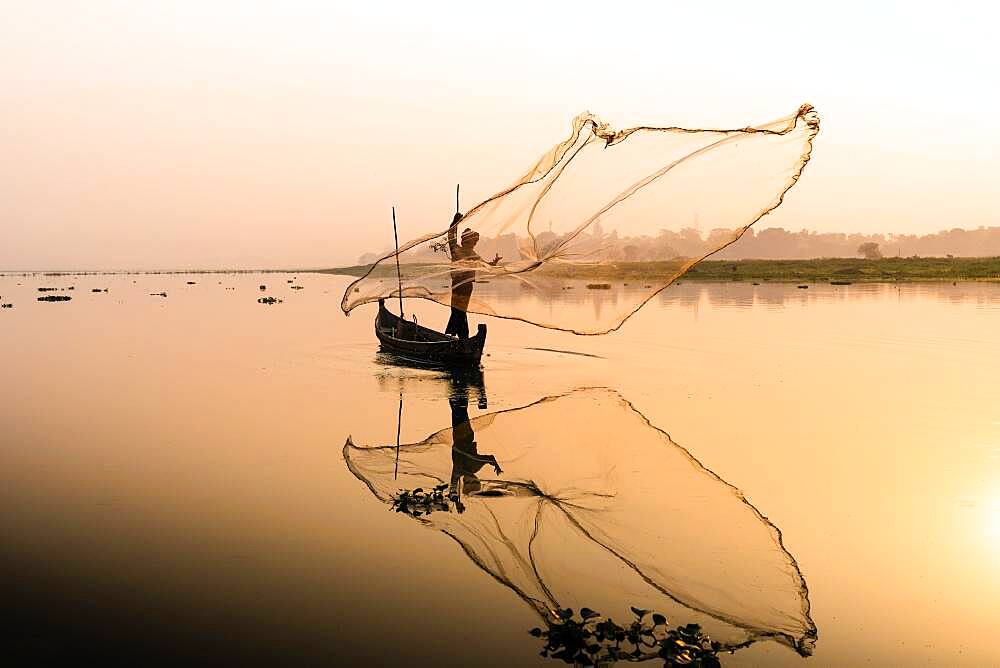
column 297, row 287
column 598, row 286
column 47, row 289
column 268, row 300
column 55, row 298
column 419, row 502
column 6, row 306
column 157, row 294
column 588, row 639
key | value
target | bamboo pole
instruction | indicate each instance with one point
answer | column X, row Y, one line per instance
column 399, row 426
column 399, row 277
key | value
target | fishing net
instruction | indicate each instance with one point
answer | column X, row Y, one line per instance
column 621, row 213
column 606, row 513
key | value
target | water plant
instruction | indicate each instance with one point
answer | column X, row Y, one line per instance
column 590, row 639
column 419, row 502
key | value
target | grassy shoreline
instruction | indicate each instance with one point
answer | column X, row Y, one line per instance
column 839, row 270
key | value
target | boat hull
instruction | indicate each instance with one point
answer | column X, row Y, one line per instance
column 415, row 343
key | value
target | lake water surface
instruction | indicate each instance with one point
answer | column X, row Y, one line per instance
column 815, row 470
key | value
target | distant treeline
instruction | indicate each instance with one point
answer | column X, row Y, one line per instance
column 834, row 270
column 776, row 243
column 773, row 243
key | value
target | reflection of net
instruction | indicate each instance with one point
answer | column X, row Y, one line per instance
column 602, row 197
column 606, row 512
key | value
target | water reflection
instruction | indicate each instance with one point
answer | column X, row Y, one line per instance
column 461, row 382
column 578, row 501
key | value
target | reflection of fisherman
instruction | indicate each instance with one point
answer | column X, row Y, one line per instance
column 465, row 459
column 462, row 279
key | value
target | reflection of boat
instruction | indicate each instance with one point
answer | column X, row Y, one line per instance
column 413, row 342
column 606, row 513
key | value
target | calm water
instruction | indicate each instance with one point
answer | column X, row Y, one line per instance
column 174, row 469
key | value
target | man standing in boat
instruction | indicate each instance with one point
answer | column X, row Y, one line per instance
column 462, row 280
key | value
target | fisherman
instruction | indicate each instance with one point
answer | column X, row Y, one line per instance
column 462, row 280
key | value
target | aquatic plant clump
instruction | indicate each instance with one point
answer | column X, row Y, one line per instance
column 419, row 502
column 578, row 202
column 269, row 300
column 590, row 639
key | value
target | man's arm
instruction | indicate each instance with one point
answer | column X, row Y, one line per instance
column 453, row 236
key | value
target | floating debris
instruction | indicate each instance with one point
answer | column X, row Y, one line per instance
column 297, row 287
column 419, row 502
column 47, row 289
column 263, row 287
column 840, row 282
column 755, row 283
column 268, row 300
column 6, row 306
column 72, row 287
column 802, row 287
column 157, row 294
column 54, row 298
column 191, row 283
column 598, row 286
column 289, row 280
column 594, row 639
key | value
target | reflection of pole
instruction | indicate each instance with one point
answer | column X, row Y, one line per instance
column 399, row 426
column 399, row 277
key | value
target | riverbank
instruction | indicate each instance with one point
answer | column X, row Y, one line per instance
column 835, row 270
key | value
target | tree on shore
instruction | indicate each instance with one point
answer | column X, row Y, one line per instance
column 870, row 250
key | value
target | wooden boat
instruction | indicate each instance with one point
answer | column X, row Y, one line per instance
column 413, row 342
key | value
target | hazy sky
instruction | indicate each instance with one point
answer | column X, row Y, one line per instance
column 238, row 134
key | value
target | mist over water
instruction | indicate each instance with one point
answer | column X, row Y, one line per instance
column 174, row 482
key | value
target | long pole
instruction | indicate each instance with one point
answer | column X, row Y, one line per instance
column 457, row 186
column 399, row 277
column 399, row 426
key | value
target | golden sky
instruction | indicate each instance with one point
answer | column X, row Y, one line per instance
column 238, row 134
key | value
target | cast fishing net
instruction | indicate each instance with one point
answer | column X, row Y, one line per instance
column 646, row 202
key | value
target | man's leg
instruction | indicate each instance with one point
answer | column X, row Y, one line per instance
column 458, row 323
